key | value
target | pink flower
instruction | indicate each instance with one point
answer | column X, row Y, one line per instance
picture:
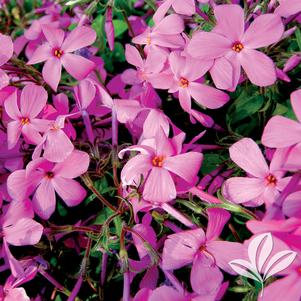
column 185, row 76
column 57, row 51
column 148, row 70
column 32, row 101
column 161, row 163
column 44, row 178
column 232, row 47
column 282, row 132
column 263, row 183
column 204, row 251
column 16, row 293
column 18, row 226
column 166, row 34
column 288, row 8
column 55, row 144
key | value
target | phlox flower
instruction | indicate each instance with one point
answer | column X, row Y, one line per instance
column 13, row 294
column 263, row 183
column 55, row 144
column 282, row 132
column 43, row 178
column 166, row 33
column 233, row 47
column 31, row 102
column 184, row 81
column 206, row 253
column 148, row 70
column 161, row 164
column 57, row 51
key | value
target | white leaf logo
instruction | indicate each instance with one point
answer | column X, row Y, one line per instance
column 259, row 252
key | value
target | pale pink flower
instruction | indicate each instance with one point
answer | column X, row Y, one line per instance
column 233, row 47
column 57, row 51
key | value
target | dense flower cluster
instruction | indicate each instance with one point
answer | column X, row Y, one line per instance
column 158, row 157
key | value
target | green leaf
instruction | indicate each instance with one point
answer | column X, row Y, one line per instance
column 211, row 162
column 298, row 37
column 103, row 216
column 120, row 27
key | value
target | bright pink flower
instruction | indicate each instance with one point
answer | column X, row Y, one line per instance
column 161, row 162
column 44, row 178
column 13, row 294
column 185, row 81
column 288, row 8
column 204, row 251
column 232, row 47
column 166, row 34
column 32, row 101
column 57, row 51
column 282, row 132
column 263, row 183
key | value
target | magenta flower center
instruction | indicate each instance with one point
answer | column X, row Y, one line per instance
column 158, row 161
column 271, row 180
column 24, row 120
column 183, row 82
column 58, row 53
column 49, row 174
column 237, row 47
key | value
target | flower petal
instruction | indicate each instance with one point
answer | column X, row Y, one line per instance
column 13, row 133
column 68, row 169
column 81, row 36
column 217, row 218
column 78, row 66
column 159, row 186
column 208, row 45
column 52, row 72
column 180, row 248
column 178, row 165
column 44, row 199
column 296, row 103
column 54, row 36
column 11, row 106
column 24, row 232
column 133, row 56
column 247, row 155
column 281, row 132
column 33, row 100
column 241, row 190
column 41, row 54
column 230, row 21
column 7, row 48
column 208, row 96
column 71, row 192
column 259, row 68
column 263, row 31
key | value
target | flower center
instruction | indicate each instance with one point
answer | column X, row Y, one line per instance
column 24, row 120
column 158, row 161
column 58, row 52
column 271, row 180
column 148, row 40
column 183, row 82
column 49, row 174
column 237, row 47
